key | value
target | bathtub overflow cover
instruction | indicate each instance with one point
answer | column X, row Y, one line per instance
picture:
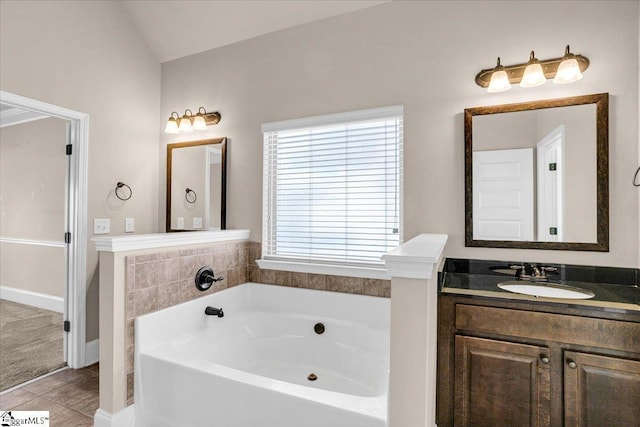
column 319, row 328
column 312, row 377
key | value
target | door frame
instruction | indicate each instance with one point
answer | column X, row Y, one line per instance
column 555, row 138
column 76, row 220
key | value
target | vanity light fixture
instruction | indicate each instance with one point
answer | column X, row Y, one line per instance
column 499, row 81
column 190, row 122
column 185, row 122
column 567, row 69
column 533, row 75
column 172, row 123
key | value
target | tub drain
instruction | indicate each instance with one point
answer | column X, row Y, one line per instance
column 312, row 377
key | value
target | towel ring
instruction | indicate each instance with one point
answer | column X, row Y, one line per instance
column 119, row 185
column 635, row 178
column 186, row 196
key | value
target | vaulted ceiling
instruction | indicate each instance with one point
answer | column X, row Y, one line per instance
column 174, row 29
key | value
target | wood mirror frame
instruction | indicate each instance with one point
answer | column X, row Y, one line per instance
column 601, row 102
column 223, row 181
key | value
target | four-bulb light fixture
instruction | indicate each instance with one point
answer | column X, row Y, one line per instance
column 566, row 69
column 190, row 122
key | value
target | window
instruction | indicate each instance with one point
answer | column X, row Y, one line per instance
column 333, row 189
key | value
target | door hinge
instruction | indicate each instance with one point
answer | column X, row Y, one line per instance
column 66, row 326
column 67, row 237
column 553, row 231
column 553, row 166
column 69, row 149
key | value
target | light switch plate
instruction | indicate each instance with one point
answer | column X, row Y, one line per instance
column 129, row 225
column 180, row 223
column 101, row 226
column 197, row 222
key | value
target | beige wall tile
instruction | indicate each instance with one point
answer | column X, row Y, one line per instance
column 168, row 254
column 146, row 258
column 130, row 305
column 168, row 270
column 130, row 359
column 188, row 267
column 146, row 274
column 377, row 287
column 169, row 294
column 188, row 252
column 130, row 332
column 145, row 300
column 130, row 277
column 204, row 260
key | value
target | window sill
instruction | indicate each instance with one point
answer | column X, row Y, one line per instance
column 333, row 270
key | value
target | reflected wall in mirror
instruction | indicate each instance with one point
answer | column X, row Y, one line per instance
column 196, row 185
column 537, row 174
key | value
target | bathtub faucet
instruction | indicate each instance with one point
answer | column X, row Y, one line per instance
column 212, row 311
column 205, row 278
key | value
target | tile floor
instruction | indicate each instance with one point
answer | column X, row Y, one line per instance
column 70, row 396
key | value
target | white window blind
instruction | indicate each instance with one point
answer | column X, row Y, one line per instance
column 333, row 187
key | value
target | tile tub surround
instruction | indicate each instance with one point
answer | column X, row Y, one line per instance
column 165, row 278
column 320, row 282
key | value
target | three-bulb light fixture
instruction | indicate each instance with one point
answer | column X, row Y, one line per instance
column 566, row 69
column 190, row 122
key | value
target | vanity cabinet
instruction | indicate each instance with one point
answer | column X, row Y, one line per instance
column 500, row 383
column 516, row 363
column 601, row 390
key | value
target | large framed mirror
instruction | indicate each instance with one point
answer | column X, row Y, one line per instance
column 537, row 174
column 196, row 185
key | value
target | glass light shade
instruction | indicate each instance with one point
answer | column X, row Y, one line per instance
column 185, row 124
column 533, row 76
column 568, row 72
column 199, row 122
column 499, row 82
column 172, row 126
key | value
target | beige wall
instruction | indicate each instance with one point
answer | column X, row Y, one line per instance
column 32, row 180
column 424, row 55
column 87, row 56
column 32, row 197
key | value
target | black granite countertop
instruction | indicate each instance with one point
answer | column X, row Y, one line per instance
column 612, row 287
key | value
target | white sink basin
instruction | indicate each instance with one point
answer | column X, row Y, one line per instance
column 549, row 290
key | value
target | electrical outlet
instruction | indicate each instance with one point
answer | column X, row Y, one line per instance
column 129, row 225
column 180, row 223
column 101, row 226
column 197, row 222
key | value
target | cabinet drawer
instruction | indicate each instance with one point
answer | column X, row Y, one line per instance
column 603, row 333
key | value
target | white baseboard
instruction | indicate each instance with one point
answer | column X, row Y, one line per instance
column 33, row 299
column 124, row 418
column 92, row 352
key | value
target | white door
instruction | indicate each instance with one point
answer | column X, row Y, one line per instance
column 550, row 181
column 503, row 195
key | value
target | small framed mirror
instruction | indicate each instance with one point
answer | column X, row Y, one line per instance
column 537, row 174
column 196, row 185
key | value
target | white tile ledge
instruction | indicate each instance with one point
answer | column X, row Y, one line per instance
column 136, row 242
column 416, row 258
column 332, row 270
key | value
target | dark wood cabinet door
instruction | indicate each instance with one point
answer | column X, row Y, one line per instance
column 499, row 383
column 601, row 391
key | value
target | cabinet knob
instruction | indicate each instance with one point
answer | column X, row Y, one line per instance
column 544, row 359
column 572, row 364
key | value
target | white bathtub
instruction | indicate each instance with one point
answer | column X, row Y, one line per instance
column 251, row 367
